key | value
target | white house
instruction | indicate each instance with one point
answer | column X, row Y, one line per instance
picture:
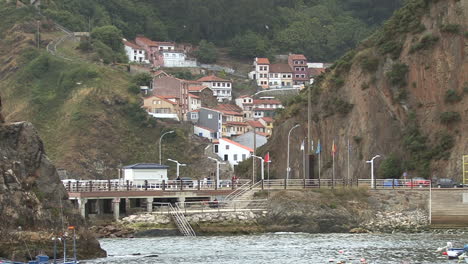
column 135, row 53
column 141, row 172
column 174, row 58
column 231, row 151
column 246, row 103
column 194, row 102
column 262, row 69
column 222, row 88
column 204, row 132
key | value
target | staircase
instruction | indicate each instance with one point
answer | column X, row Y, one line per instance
column 245, row 192
column 181, row 221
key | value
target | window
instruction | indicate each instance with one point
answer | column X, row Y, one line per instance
column 193, row 115
column 226, row 157
column 245, row 100
column 244, row 156
column 227, row 146
column 210, row 116
column 228, row 85
column 224, row 84
column 303, row 75
column 235, row 156
column 276, row 75
column 297, row 75
column 141, row 52
column 134, row 57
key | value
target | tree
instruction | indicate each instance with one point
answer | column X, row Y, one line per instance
column 390, row 167
column 206, row 52
column 109, row 35
column 249, row 45
column 142, row 79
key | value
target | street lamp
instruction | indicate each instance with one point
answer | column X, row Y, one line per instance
column 372, row 169
column 160, row 155
column 217, row 169
column 178, row 165
column 263, row 165
column 288, row 169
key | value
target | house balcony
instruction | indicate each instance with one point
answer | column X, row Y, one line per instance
column 165, row 116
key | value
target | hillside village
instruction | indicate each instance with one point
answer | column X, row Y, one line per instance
column 234, row 126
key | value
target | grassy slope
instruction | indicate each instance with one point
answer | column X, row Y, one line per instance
column 82, row 110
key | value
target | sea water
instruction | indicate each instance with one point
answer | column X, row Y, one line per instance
column 283, row 248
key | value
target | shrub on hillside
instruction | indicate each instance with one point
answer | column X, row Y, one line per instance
column 450, row 117
column 451, row 96
column 369, row 63
column 397, row 75
column 424, row 43
column 142, row 79
column 133, row 89
column 451, row 28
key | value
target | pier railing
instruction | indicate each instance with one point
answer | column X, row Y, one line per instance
column 212, row 206
column 239, row 187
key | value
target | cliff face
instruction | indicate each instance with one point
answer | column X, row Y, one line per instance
column 402, row 94
column 32, row 196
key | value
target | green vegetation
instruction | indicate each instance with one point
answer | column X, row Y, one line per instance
column 426, row 42
column 369, row 62
column 449, row 117
column 206, row 52
column 451, row 28
column 390, row 167
column 321, row 29
column 397, row 75
column 451, row 96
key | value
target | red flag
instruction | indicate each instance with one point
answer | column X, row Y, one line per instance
column 267, row 157
column 333, row 148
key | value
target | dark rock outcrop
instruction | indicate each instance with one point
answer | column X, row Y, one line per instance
column 33, row 198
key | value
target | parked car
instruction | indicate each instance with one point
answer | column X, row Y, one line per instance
column 392, row 183
column 447, row 183
column 418, row 182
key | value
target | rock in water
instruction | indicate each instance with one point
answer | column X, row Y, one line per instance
column 32, row 196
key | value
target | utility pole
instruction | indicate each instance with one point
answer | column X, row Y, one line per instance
column 253, row 159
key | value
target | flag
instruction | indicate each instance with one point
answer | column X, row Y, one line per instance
column 302, row 145
column 267, row 157
column 319, row 148
column 333, row 148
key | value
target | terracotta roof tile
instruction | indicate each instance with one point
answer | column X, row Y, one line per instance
column 237, row 123
column 198, row 88
column 255, row 124
column 263, row 61
column 267, row 119
column 228, row 107
column 132, row 45
column 236, row 144
column 280, row 68
column 297, row 57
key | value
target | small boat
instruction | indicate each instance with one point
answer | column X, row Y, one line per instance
column 454, row 253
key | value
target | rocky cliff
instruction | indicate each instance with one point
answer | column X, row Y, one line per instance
column 403, row 94
column 34, row 205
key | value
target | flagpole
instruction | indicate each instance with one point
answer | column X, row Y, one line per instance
column 319, row 149
column 303, row 159
column 333, row 172
column 348, row 161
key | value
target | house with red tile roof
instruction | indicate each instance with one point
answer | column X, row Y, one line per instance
column 222, row 88
column 261, row 71
column 165, row 107
column 135, row 53
column 267, row 122
column 298, row 64
column 231, row 151
column 280, row 76
column 265, row 107
column 245, row 102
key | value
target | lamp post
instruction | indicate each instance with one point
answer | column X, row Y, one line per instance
column 160, row 139
column 262, row 164
column 372, row 169
column 178, row 165
column 288, row 169
column 217, row 169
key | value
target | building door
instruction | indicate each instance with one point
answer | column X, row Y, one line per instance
column 216, row 148
column 225, row 157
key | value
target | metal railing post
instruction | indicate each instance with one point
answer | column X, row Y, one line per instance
column 164, row 185
column 90, row 186
column 304, row 183
column 411, row 183
column 181, row 185
column 319, row 183
column 199, row 185
column 262, row 185
column 109, row 185
column 128, row 185
column 285, row 184
column 146, row 185
column 77, row 185
column 393, row 184
column 69, row 186
column 216, row 184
